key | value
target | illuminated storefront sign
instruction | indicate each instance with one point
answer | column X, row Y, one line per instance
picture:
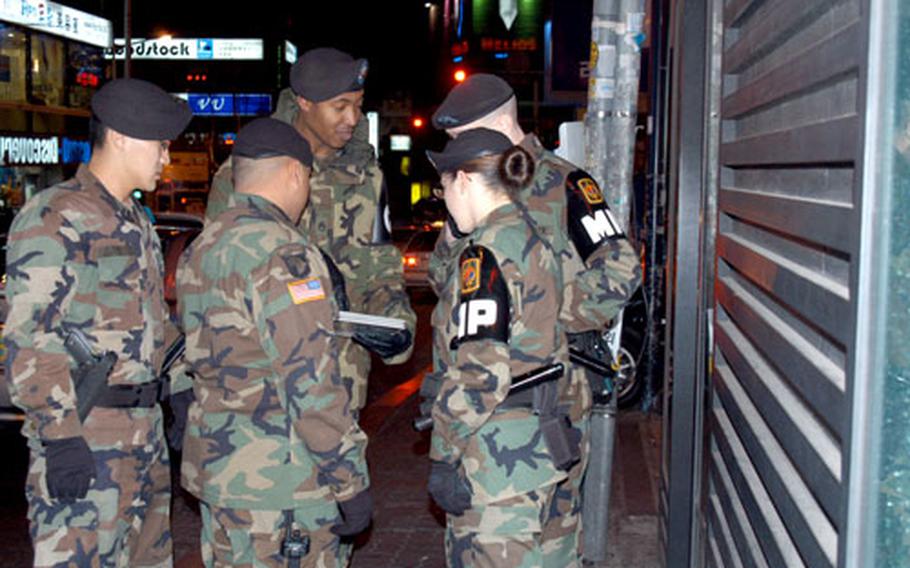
column 290, row 52
column 400, row 143
column 228, row 104
column 43, row 150
column 189, row 48
column 57, row 19
column 21, row 150
column 75, row 151
column 519, row 44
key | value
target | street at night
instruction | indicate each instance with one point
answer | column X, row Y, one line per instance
column 670, row 240
column 407, row 529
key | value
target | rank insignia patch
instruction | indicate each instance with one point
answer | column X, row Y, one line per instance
column 590, row 191
column 307, row 290
column 470, row 275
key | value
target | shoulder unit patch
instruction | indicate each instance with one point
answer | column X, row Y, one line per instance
column 590, row 191
column 470, row 275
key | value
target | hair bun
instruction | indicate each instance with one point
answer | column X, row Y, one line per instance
column 516, row 168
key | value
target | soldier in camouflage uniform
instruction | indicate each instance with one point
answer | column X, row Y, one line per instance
column 347, row 217
column 83, row 257
column 271, row 443
column 493, row 469
column 600, row 267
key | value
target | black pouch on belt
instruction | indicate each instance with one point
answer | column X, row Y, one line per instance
column 557, row 431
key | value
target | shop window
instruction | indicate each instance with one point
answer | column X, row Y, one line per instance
column 84, row 73
column 12, row 64
column 47, row 66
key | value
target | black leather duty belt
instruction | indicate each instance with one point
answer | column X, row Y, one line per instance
column 131, row 396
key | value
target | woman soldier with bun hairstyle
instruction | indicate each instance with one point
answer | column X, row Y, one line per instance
column 496, row 454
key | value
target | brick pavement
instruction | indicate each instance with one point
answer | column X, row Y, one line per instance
column 407, row 529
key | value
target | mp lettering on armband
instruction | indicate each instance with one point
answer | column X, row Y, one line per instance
column 591, row 223
column 484, row 303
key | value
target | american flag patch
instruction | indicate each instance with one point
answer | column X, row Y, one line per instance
column 307, row 290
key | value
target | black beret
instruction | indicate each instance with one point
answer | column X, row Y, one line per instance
column 470, row 144
column 268, row 138
column 140, row 110
column 325, row 72
column 476, row 97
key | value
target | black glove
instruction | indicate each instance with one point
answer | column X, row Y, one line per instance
column 338, row 285
column 180, row 405
column 448, row 488
column 356, row 513
column 429, row 390
column 383, row 342
column 70, row 468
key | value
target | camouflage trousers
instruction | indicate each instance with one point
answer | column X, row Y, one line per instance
column 562, row 527
column 123, row 521
column 246, row 538
column 505, row 534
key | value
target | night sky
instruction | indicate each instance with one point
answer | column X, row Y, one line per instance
column 393, row 35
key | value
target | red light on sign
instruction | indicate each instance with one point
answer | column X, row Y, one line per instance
column 86, row 79
column 460, row 75
column 417, row 122
column 460, row 49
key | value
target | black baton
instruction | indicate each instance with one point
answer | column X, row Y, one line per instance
column 522, row 382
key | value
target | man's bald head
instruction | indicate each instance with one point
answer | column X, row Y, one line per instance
column 283, row 180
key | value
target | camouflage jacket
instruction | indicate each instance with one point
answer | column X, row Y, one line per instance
column 596, row 289
column 345, row 199
column 600, row 266
column 501, row 310
column 78, row 258
column 271, row 427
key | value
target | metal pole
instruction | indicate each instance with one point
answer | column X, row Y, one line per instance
column 616, row 34
column 128, row 35
column 657, row 188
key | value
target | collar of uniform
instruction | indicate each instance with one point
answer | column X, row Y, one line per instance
column 259, row 203
column 532, row 144
column 504, row 211
column 286, row 108
column 342, row 169
column 91, row 185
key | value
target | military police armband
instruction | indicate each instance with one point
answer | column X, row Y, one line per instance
column 484, row 304
column 591, row 223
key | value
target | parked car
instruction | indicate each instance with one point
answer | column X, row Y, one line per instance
column 175, row 231
column 416, row 257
